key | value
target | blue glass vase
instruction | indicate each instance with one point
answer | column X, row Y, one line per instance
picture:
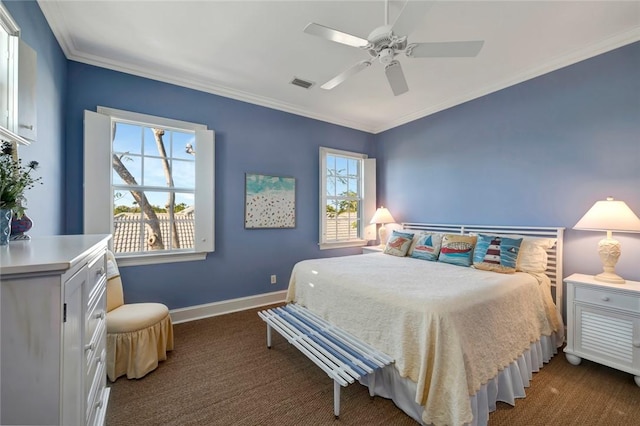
column 5, row 226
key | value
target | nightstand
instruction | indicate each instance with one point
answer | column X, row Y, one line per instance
column 372, row 249
column 603, row 323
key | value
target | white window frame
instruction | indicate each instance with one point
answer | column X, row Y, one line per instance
column 98, row 216
column 366, row 230
column 9, row 112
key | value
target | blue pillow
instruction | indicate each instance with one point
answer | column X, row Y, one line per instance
column 457, row 249
column 398, row 244
column 426, row 246
column 496, row 253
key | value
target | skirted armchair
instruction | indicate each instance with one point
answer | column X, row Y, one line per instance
column 138, row 334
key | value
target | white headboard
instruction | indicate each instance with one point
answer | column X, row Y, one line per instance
column 554, row 266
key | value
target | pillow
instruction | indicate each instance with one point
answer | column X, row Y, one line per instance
column 533, row 252
column 426, row 246
column 496, row 253
column 457, row 249
column 398, row 243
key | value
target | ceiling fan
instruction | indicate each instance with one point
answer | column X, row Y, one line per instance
column 386, row 42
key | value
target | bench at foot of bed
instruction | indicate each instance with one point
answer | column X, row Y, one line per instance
column 343, row 357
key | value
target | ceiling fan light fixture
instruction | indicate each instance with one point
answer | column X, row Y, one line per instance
column 386, row 56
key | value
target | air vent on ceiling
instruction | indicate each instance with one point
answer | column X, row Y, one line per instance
column 301, row 83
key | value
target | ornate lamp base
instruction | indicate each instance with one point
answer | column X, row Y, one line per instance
column 609, row 251
column 382, row 234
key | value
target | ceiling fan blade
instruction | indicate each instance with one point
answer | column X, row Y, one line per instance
column 345, row 75
column 411, row 16
column 446, row 49
column 335, row 35
column 396, row 78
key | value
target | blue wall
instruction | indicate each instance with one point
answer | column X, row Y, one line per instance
column 45, row 202
column 538, row 153
column 249, row 138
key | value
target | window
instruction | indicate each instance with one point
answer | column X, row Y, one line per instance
column 347, row 198
column 9, row 43
column 158, row 175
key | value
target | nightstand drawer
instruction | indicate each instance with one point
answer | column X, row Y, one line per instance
column 607, row 298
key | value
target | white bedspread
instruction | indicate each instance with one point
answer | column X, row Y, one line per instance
column 449, row 328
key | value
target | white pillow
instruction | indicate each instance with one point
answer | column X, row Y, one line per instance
column 533, row 254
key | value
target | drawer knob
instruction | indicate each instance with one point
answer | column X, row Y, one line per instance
column 98, row 404
column 605, row 298
column 100, row 271
column 99, row 315
column 88, row 347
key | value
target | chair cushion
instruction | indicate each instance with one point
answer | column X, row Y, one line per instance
column 135, row 316
column 115, row 297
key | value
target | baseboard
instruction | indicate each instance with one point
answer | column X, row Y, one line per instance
column 192, row 313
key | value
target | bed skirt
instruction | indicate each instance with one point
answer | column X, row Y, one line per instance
column 508, row 385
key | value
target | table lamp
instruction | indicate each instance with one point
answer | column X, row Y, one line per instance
column 609, row 216
column 382, row 216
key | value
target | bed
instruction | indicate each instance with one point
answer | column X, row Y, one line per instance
column 462, row 338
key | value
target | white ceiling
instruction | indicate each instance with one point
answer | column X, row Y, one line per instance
column 250, row 50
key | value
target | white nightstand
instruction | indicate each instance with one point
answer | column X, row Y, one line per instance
column 372, row 249
column 603, row 323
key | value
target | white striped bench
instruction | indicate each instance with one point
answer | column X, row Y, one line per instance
column 343, row 357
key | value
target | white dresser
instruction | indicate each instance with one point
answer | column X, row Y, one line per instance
column 603, row 323
column 53, row 343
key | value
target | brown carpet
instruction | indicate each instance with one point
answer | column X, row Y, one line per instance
column 221, row 373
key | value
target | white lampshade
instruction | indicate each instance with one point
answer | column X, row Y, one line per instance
column 383, row 216
column 609, row 216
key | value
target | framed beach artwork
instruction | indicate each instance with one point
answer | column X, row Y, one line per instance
column 269, row 201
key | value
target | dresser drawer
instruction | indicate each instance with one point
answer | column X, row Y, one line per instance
column 607, row 298
column 97, row 274
column 95, row 378
column 99, row 412
column 96, row 318
column 96, row 385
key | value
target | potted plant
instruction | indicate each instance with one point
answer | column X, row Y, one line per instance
column 15, row 179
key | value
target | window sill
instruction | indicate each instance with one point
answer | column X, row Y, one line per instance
column 154, row 259
column 8, row 135
column 343, row 244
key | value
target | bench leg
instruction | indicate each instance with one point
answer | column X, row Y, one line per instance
column 336, row 399
column 372, row 384
column 268, row 336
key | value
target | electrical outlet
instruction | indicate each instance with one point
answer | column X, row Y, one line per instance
column 273, row 279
